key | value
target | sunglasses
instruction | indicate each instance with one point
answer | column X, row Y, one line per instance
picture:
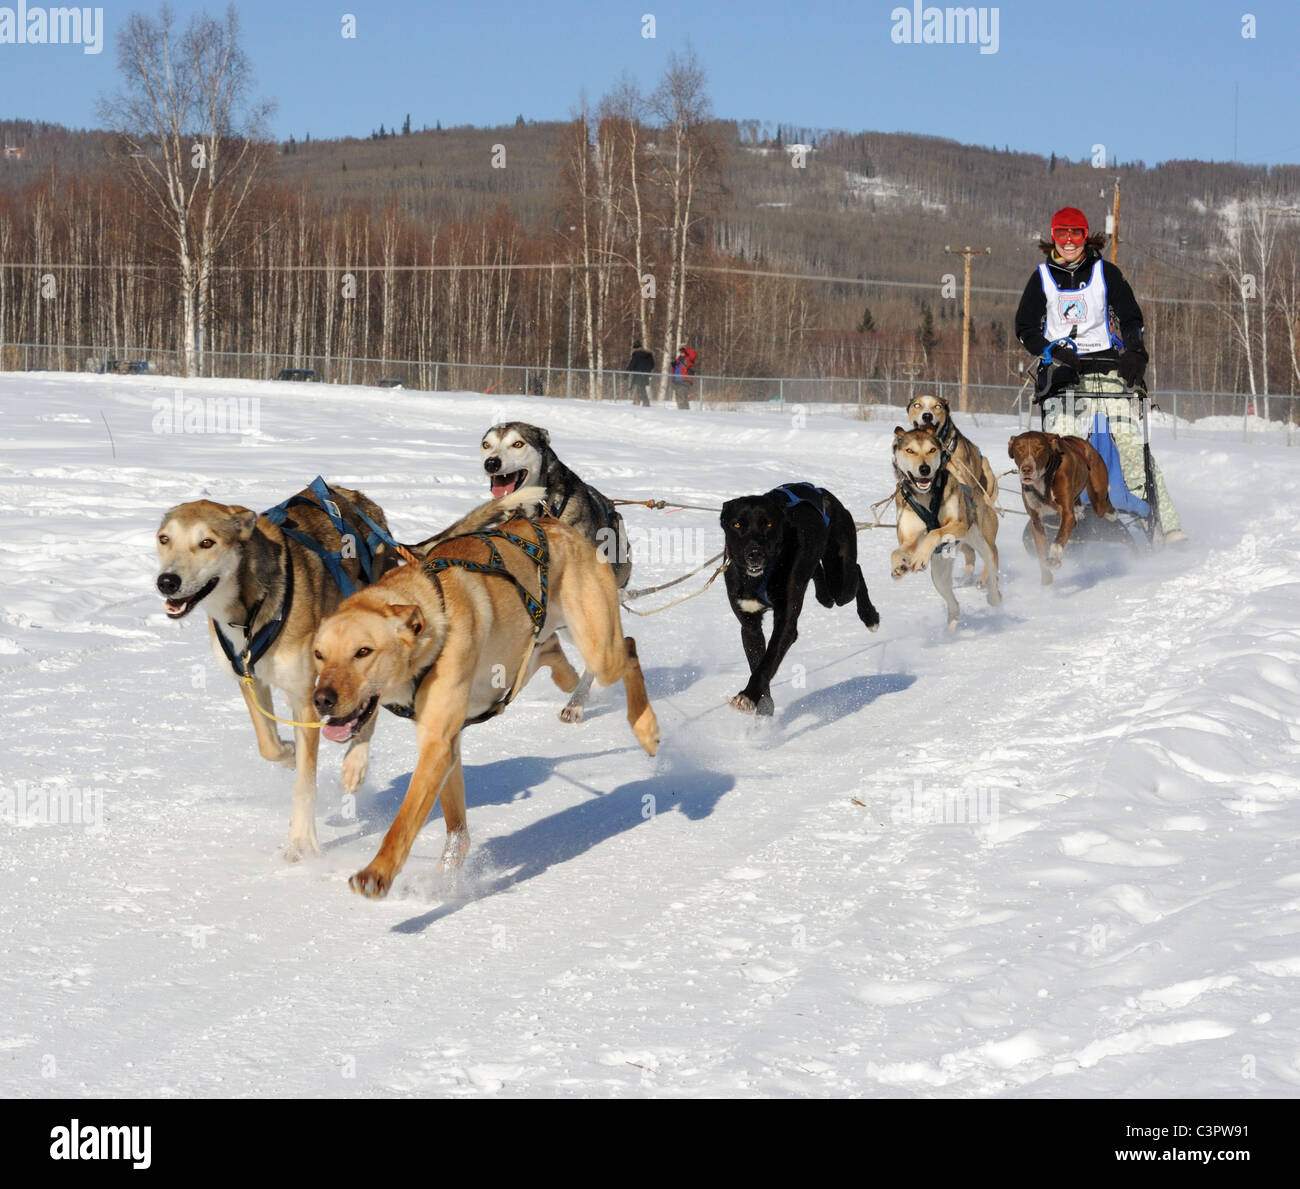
column 1063, row 234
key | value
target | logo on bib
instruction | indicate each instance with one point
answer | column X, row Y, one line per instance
column 1073, row 309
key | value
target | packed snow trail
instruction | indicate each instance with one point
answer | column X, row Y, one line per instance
column 1051, row 854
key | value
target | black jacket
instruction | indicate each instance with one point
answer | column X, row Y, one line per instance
column 641, row 361
column 1031, row 317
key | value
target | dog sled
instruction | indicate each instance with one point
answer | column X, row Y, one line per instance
column 1094, row 407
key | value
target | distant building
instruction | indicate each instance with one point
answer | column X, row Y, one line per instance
column 15, row 152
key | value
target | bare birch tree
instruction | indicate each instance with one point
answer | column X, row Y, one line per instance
column 682, row 108
column 188, row 135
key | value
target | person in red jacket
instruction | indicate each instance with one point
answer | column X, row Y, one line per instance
column 683, row 371
column 684, row 365
column 1081, row 309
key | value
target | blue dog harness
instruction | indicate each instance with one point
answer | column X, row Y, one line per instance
column 327, row 499
column 803, row 493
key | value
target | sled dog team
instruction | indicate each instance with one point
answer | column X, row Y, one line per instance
column 315, row 598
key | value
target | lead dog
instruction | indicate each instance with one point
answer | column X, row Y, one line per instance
column 266, row 592
column 1054, row 470
column 518, row 455
column 776, row 544
column 932, row 412
column 936, row 513
column 447, row 636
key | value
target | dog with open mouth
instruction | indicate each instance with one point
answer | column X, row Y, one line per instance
column 968, row 463
column 518, row 455
column 265, row 594
column 937, row 512
column 450, row 642
column 776, row 544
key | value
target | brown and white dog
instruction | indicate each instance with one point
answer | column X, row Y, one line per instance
column 936, row 513
column 932, row 412
column 248, row 576
column 1053, row 471
column 456, row 643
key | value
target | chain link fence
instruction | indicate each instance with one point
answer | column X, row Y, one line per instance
column 1179, row 414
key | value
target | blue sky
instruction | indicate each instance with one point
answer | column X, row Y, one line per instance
column 1149, row 80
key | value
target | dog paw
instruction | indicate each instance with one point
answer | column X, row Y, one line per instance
column 646, row 730
column 571, row 713
column 918, row 567
column 746, row 705
column 355, row 765
column 454, row 851
column 995, row 598
column 284, row 756
column 371, row 882
column 301, row 847
column 899, row 570
column 1055, row 552
column 1047, row 577
column 952, row 625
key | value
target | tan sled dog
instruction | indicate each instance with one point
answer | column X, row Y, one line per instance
column 932, row 412
column 936, row 512
column 456, row 639
column 266, row 592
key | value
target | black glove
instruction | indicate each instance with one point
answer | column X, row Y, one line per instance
column 1066, row 353
column 1053, row 378
column 1132, row 367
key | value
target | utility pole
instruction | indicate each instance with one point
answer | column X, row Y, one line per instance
column 1114, row 227
column 968, row 252
column 568, row 366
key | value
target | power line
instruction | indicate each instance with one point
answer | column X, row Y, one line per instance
column 563, row 266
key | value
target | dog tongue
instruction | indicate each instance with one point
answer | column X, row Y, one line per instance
column 500, row 486
column 339, row 732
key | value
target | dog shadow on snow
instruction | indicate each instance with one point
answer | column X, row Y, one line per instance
column 829, row 705
column 507, row 860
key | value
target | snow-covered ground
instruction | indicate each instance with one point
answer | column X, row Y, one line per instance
column 1051, row 854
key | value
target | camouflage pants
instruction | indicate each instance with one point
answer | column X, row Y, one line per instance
column 1071, row 413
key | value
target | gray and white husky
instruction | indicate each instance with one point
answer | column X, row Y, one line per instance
column 518, row 455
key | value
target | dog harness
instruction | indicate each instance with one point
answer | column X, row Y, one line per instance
column 328, row 500
column 793, row 494
column 803, row 493
column 929, row 514
column 557, row 506
column 947, row 439
column 539, row 553
column 255, row 647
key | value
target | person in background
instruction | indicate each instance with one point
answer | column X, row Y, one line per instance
column 1075, row 302
column 640, row 365
column 684, row 366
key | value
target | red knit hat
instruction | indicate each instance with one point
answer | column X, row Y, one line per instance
column 1070, row 216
